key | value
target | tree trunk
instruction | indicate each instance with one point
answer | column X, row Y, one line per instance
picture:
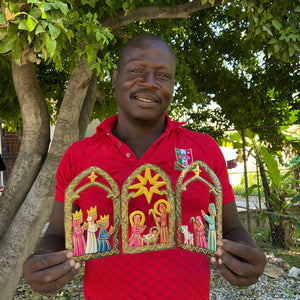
column 21, row 236
column 93, row 94
column 35, row 142
column 282, row 234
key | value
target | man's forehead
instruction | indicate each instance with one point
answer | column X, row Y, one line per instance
column 158, row 50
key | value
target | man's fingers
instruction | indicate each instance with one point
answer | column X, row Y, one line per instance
column 51, row 274
column 234, row 278
column 52, row 280
column 239, row 263
column 47, row 273
column 44, row 261
column 245, row 252
column 240, row 268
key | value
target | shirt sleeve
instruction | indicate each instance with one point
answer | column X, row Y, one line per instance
column 63, row 176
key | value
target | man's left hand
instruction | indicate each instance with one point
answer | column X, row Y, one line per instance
column 239, row 263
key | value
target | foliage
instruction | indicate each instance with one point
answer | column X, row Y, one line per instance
column 280, row 184
column 53, row 30
column 10, row 110
column 221, row 63
column 238, row 55
column 276, row 186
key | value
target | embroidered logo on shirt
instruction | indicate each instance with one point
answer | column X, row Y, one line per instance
column 184, row 158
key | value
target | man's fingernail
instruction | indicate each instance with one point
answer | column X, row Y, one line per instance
column 72, row 263
column 77, row 266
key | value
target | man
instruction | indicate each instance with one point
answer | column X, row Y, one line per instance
column 142, row 133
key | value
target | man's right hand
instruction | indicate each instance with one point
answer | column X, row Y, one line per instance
column 48, row 273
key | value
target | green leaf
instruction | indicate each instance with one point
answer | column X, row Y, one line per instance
column 90, row 51
column 272, row 166
column 252, row 188
column 31, row 23
column 100, row 36
column 35, row 12
column 277, row 24
column 39, row 29
column 47, row 6
column 17, row 49
column 63, row 7
column 34, row 1
column 50, row 45
column 109, row 2
column 277, row 47
column 91, row 3
column 23, row 25
column 292, row 50
column 14, row 7
column 2, row 19
column 272, row 41
column 294, row 201
column 7, row 44
column 54, row 31
column 267, row 29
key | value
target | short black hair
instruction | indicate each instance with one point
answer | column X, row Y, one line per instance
column 141, row 38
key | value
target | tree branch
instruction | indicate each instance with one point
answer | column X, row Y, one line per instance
column 93, row 94
column 157, row 12
column 35, row 142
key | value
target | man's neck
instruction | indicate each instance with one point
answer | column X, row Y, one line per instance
column 138, row 135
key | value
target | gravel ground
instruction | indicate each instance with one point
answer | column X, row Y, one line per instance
column 265, row 289
column 276, row 286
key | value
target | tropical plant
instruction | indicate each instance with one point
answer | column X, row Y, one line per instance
column 277, row 189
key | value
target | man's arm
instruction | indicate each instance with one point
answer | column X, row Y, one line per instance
column 50, row 267
column 239, row 260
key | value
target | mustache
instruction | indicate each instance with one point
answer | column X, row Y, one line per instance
column 144, row 91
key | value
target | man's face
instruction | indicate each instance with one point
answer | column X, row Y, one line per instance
column 145, row 82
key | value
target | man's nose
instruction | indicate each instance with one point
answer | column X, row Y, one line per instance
column 148, row 79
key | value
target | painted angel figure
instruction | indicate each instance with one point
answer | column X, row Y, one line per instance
column 137, row 219
column 91, row 228
column 103, row 244
column 78, row 234
column 212, row 236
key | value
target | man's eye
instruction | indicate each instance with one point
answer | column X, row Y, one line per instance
column 136, row 71
column 164, row 75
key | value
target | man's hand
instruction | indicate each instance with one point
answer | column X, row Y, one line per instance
column 239, row 263
column 48, row 273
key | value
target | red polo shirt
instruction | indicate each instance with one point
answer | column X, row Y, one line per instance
column 166, row 274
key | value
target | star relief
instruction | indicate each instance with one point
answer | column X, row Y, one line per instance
column 93, row 176
column 148, row 189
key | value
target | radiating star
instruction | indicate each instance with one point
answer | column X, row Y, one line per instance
column 143, row 186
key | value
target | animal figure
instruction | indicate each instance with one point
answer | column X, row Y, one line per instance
column 188, row 236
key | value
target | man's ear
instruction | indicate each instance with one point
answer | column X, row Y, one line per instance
column 114, row 78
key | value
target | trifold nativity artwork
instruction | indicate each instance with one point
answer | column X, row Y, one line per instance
column 146, row 214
